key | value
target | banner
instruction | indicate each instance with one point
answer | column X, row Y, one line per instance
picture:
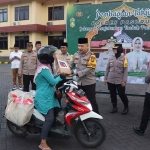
column 128, row 22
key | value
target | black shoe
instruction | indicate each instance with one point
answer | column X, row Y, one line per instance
column 115, row 109
column 138, row 131
column 125, row 111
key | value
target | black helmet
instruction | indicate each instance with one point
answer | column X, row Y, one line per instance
column 45, row 54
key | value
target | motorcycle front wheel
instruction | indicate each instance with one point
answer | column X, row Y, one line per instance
column 16, row 130
column 90, row 133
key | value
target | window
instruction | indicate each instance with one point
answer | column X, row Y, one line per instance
column 22, row 13
column 4, row 43
column 22, row 41
column 55, row 40
column 56, row 13
column 3, row 15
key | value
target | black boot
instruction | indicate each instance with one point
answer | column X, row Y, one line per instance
column 114, row 109
column 125, row 111
column 138, row 131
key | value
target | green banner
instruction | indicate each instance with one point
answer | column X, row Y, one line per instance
column 99, row 21
column 139, row 74
column 129, row 22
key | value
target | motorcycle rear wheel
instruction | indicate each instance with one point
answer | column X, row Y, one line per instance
column 15, row 129
column 96, row 130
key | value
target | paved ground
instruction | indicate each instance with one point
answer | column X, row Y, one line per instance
column 120, row 135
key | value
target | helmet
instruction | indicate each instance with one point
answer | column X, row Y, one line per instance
column 45, row 54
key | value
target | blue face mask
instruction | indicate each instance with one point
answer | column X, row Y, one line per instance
column 74, row 78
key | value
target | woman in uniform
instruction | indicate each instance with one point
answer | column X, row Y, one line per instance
column 116, row 78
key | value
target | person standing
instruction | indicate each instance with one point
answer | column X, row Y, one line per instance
column 15, row 57
column 146, row 109
column 37, row 45
column 64, row 53
column 116, row 78
column 104, row 57
column 85, row 63
column 28, row 66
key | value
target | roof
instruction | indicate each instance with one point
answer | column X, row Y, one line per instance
column 33, row 27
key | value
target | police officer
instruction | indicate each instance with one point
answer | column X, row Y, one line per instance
column 37, row 45
column 64, row 53
column 85, row 63
column 116, row 78
column 28, row 66
column 146, row 110
column 104, row 57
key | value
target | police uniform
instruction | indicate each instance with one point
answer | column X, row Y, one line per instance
column 28, row 66
column 103, row 60
column 67, row 56
column 85, row 68
column 104, row 57
column 115, row 74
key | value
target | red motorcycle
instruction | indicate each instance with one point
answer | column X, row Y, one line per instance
column 75, row 119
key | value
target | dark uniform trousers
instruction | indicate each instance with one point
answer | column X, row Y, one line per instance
column 26, row 82
column 90, row 93
column 114, row 88
column 146, row 112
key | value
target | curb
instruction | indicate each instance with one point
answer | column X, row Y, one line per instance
column 4, row 62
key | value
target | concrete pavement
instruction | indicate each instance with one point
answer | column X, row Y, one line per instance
column 120, row 135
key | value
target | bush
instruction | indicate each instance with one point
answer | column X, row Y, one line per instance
column 4, row 60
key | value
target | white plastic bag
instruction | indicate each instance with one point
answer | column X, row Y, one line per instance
column 19, row 107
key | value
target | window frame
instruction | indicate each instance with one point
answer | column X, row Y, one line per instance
column 3, row 13
column 21, row 10
column 53, row 39
column 52, row 10
column 25, row 40
column 3, row 40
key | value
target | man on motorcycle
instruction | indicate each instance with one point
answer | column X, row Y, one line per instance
column 45, row 101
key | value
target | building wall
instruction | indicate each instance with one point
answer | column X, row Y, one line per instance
column 38, row 14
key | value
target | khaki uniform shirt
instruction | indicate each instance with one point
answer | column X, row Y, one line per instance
column 147, row 80
column 115, row 71
column 86, row 76
column 28, row 63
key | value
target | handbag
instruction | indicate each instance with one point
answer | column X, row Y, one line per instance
column 58, row 94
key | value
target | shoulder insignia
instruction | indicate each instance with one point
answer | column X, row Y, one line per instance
column 125, row 63
column 92, row 61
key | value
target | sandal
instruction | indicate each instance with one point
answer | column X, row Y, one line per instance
column 42, row 148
